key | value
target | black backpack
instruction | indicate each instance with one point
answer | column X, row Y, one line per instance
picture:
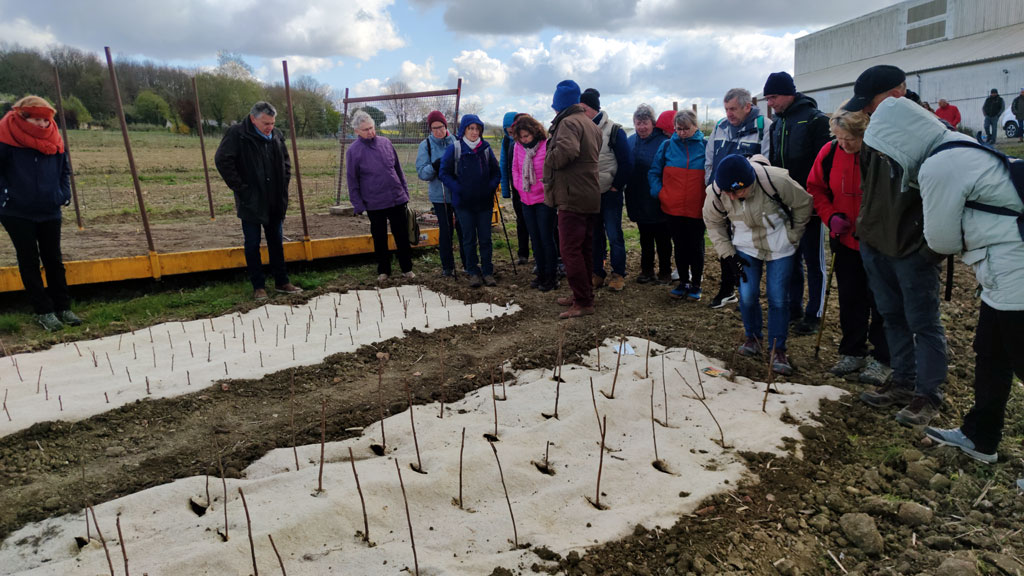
column 1015, row 166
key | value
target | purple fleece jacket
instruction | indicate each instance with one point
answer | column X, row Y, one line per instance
column 375, row 178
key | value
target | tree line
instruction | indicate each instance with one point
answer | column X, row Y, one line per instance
column 159, row 95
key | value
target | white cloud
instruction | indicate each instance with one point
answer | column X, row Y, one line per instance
column 23, row 33
column 419, row 78
column 477, row 70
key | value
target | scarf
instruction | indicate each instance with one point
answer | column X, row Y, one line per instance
column 471, row 143
column 529, row 174
column 20, row 133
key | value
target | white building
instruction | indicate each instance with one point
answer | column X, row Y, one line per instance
column 954, row 49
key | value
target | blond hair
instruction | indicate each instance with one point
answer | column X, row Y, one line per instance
column 33, row 102
column 856, row 123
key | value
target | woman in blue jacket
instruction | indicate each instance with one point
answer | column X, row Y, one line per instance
column 470, row 170
column 428, row 168
column 35, row 181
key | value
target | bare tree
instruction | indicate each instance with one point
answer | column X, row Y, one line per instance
column 400, row 109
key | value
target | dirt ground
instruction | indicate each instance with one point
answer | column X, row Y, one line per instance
column 866, row 498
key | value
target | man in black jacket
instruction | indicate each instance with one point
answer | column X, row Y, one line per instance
column 253, row 161
column 992, row 109
column 794, row 139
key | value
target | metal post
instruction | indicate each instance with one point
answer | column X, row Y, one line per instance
column 675, row 106
column 694, row 109
column 295, row 157
column 341, row 153
column 458, row 97
column 131, row 160
column 202, row 148
column 67, row 147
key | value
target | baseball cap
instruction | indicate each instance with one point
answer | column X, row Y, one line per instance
column 872, row 82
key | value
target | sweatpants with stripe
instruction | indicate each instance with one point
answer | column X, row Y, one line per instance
column 811, row 253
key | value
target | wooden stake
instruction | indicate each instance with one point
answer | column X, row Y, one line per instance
column 600, row 463
column 224, row 483
column 768, row 381
column 408, row 517
column 103, row 541
column 494, row 401
column 248, row 525
column 515, row 533
column 39, row 378
column 664, row 388
column 593, row 399
column 291, row 409
column 700, row 381
column 381, row 357
column 618, row 361
column 462, row 448
column 6, row 411
column 706, row 407
column 654, row 434
column 278, row 554
column 442, row 382
column 124, row 550
column 412, row 423
column 323, row 441
column 362, row 502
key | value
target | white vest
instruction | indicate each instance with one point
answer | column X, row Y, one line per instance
column 607, row 165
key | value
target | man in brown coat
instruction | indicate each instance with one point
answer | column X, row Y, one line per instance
column 571, row 186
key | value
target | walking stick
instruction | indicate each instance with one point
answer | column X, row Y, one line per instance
column 824, row 307
column 501, row 216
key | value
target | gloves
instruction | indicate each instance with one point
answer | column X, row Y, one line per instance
column 736, row 264
column 437, row 166
column 839, row 225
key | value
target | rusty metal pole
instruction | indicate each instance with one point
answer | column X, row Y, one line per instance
column 675, row 106
column 341, row 153
column 295, row 159
column 202, row 148
column 694, row 107
column 458, row 97
column 67, row 147
column 131, row 165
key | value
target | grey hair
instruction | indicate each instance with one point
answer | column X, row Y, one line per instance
column 644, row 112
column 741, row 95
column 260, row 108
column 360, row 117
column 856, row 123
column 685, row 119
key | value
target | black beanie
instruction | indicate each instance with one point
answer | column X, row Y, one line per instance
column 591, row 98
column 780, row 84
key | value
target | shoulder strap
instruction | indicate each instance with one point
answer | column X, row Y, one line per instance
column 826, row 162
column 457, row 153
column 765, row 180
column 1014, row 166
column 759, row 121
column 614, row 135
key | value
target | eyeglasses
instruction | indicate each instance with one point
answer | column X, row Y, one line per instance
column 438, row 127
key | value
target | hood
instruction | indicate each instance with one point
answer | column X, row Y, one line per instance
column 801, row 101
column 666, row 122
column 507, row 120
column 907, row 133
column 466, row 121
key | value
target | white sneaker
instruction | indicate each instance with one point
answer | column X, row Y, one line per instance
column 675, row 275
column 382, row 278
column 409, row 275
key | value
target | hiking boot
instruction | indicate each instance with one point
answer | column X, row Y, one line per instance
column 490, row 281
column 752, row 347
column 410, row 275
column 875, row 373
column 646, row 277
column 49, row 322
column 523, row 260
column 68, row 317
column 597, row 281
column 694, row 294
column 475, row 281
column 382, row 278
column 722, row 298
column 575, row 311
column 616, row 282
column 548, row 285
column 954, row 437
column 919, row 412
column 289, row 288
column 891, row 393
column 679, row 292
column 535, row 283
column 565, row 301
column 447, row 273
column 780, row 363
column 805, row 327
column 848, row 365
column 666, row 278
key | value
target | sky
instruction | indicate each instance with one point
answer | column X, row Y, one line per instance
column 510, row 54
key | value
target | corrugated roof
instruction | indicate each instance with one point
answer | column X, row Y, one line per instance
column 994, row 44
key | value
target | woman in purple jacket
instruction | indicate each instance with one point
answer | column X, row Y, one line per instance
column 376, row 185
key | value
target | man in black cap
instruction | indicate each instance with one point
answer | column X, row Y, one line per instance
column 902, row 271
column 992, row 109
column 794, row 139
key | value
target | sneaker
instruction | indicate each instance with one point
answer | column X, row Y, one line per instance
column 848, row 365
column 875, row 373
column 548, row 285
column 752, row 347
column 646, row 278
column 490, row 281
column 576, row 311
column 410, row 275
column 535, row 270
column 68, row 317
column 259, row 294
column 805, row 327
column 919, row 412
column 561, row 270
column 49, row 322
column 723, row 298
column 680, row 291
column 958, row 439
column 694, row 294
column 891, row 393
column 383, row 278
column 780, row 363
column 447, row 273
column 535, row 283
column 667, row 278
column 597, row 281
column 523, row 260
column 565, row 301
column 289, row 288
column 674, row 277
column 616, row 282
column 475, row 281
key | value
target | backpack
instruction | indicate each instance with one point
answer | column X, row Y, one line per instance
column 413, row 226
column 614, row 136
column 457, row 153
column 826, row 162
column 765, row 180
column 1015, row 166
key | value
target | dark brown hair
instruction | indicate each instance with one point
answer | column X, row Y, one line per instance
column 529, row 124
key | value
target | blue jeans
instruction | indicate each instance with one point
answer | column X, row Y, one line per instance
column 251, row 243
column 476, row 229
column 991, row 128
column 445, row 228
column 609, row 224
column 776, row 287
column 907, row 294
column 540, row 222
column 812, row 253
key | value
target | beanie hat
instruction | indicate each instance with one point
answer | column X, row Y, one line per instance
column 436, row 116
column 567, row 93
column 666, row 122
column 591, row 98
column 734, row 173
column 995, row 91
column 780, row 84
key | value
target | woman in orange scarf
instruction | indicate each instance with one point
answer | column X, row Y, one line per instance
column 35, row 182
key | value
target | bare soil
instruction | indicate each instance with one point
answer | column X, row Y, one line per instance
column 786, row 519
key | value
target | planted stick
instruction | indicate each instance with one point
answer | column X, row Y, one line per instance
column 768, row 381
column 654, row 434
column 362, row 502
column 593, row 399
column 700, row 381
column 515, row 533
column 494, row 401
column 600, row 463
column 557, row 372
column 442, row 386
column 124, row 551
column 278, row 554
column 6, row 411
column 647, row 355
column 381, row 357
column 618, row 361
column 224, row 483
column 412, row 423
column 706, row 407
column 408, row 518
column 103, row 541
column 462, row 448
column 192, row 354
column 39, row 378
column 291, row 409
column 248, row 525
column 323, row 440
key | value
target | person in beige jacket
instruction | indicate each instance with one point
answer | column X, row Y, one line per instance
column 756, row 215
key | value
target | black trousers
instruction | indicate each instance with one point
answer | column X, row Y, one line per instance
column 399, row 229
column 1000, row 355
column 655, row 237
column 859, row 318
column 522, row 234
column 688, row 237
column 35, row 241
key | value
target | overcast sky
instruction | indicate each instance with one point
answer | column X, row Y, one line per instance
column 510, row 53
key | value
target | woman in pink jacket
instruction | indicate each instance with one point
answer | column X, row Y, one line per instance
column 527, row 172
